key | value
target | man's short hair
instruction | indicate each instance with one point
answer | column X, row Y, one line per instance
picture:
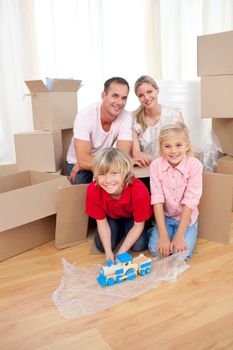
column 118, row 80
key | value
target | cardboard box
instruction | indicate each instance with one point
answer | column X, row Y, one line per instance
column 215, row 208
column 216, row 96
column 22, row 238
column 223, row 130
column 26, row 197
column 66, row 140
column 55, row 109
column 72, row 220
column 225, row 166
column 215, row 54
column 8, row 168
column 39, row 150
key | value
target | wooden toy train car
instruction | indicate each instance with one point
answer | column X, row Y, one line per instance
column 126, row 269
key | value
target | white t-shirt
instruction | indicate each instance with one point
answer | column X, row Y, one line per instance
column 88, row 127
column 148, row 139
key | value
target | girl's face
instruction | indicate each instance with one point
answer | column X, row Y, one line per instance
column 174, row 148
column 112, row 182
column 147, row 95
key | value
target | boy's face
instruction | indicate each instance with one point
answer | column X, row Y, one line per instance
column 174, row 148
column 112, row 182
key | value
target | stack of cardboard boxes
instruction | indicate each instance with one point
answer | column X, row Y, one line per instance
column 32, row 191
column 215, row 67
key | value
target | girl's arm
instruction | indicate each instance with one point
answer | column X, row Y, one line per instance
column 178, row 243
column 132, row 236
column 163, row 247
column 105, row 236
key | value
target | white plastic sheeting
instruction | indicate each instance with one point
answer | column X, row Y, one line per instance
column 79, row 293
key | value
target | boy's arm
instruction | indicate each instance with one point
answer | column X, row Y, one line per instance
column 105, row 236
column 132, row 236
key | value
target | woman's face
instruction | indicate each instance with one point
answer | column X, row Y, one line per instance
column 147, row 95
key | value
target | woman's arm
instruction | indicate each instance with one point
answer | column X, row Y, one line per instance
column 140, row 159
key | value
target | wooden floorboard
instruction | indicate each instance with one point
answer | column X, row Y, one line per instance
column 195, row 312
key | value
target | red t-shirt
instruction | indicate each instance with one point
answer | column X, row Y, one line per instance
column 134, row 202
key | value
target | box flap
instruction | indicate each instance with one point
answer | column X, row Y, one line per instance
column 66, row 85
column 36, row 86
column 72, row 220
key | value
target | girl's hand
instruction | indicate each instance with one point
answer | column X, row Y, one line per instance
column 163, row 247
column 178, row 244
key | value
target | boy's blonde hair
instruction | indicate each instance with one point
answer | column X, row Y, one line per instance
column 171, row 129
column 139, row 113
column 112, row 157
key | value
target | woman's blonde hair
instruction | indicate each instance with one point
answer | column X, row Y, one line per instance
column 171, row 129
column 112, row 157
column 139, row 114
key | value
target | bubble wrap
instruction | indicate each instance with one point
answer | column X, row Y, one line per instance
column 80, row 294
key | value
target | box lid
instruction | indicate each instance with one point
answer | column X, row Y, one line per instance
column 36, row 86
column 58, row 85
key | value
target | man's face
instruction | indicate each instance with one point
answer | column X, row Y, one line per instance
column 114, row 100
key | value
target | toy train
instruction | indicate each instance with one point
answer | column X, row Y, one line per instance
column 126, row 269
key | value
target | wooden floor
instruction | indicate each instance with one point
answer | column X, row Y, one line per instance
column 195, row 312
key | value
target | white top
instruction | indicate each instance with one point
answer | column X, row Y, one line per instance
column 88, row 127
column 148, row 139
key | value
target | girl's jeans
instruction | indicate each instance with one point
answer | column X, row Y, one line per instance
column 172, row 226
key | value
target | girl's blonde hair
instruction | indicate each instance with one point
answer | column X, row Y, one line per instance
column 139, row 113
column 171, row 129
column 111, row 157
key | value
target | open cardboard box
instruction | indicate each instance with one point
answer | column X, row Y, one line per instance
column 28, row 202
column 55, row 109
column 8, row 168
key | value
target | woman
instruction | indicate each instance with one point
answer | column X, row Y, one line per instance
column 149, row 117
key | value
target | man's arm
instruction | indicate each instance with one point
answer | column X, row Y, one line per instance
column 124, row 145
column 84, row 156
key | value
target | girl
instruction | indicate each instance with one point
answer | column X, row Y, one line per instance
column 148, row 120
column 176, row 187
column 119, row 202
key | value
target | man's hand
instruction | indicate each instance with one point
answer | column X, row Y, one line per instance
column 73, row 173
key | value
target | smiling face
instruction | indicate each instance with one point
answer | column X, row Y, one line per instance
column 147, row 95
column 114, row 101
column 112, row 182
column 174, row 147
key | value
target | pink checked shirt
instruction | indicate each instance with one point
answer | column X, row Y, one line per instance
column 176, row 186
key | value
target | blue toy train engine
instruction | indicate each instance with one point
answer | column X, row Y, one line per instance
column 127, row 268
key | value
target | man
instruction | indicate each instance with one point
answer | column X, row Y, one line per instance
column 99, row 126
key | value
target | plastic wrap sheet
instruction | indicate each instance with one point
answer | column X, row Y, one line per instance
column 80, row 294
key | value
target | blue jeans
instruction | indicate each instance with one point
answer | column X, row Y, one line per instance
column 119, row 228
column 82, row 177
column 172, row 226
